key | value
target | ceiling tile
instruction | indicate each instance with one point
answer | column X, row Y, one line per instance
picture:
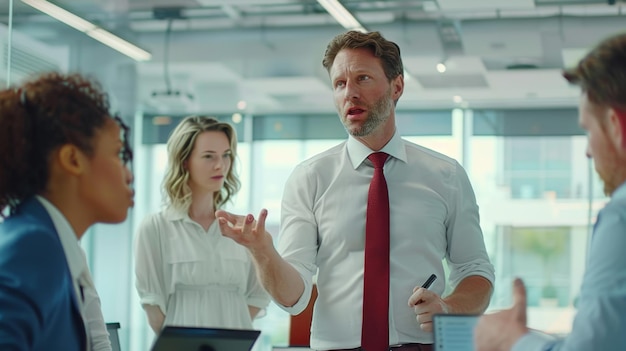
column 288, row 85
column 439, row 81
column 452, row 5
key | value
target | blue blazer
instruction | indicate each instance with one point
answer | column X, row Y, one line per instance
column 38, row 306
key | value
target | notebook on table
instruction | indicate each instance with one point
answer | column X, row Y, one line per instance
column 454, row 332
column 204, row 339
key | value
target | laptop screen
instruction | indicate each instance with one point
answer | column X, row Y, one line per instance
column 454, row 332
column 204, row 339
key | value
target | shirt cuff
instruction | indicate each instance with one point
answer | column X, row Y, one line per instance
column 153, row 299
column 259, row 302
column 534, row 341
column 305, row 298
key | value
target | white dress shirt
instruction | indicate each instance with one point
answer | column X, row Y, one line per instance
column 197, row 277
column 433, row 214
column 88, row 299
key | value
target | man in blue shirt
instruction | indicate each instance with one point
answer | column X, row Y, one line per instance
column 601, row 320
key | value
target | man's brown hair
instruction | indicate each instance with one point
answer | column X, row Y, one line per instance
column 387, row 51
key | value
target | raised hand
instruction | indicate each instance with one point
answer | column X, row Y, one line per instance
column 245, row 230
column 499, row 331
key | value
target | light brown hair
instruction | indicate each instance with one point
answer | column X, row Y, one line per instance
column 387, row 51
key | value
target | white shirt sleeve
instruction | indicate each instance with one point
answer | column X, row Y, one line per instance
column 149, row 265
column 466, row 253
column 298, row 242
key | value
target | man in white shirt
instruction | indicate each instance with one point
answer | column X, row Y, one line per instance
column 432, row 214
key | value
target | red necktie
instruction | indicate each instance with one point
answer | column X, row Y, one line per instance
column 375, row 328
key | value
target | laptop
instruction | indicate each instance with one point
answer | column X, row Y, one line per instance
column 454, row 332
column 204, row 339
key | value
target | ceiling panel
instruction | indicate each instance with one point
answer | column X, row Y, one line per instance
column 269, row 52
column 288, row 85
column 454, row 64
column 214, row 71
column 454, row 5
column 442, row 81
column 528, row 80
column 502, row 43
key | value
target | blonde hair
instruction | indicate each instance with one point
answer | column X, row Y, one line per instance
column 179, row 147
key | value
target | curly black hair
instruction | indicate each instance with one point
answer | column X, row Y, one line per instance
column 37, row 117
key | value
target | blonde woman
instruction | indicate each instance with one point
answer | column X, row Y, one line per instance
column 187, row 273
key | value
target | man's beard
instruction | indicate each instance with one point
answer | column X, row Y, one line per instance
column 377, row 114
column 613, row 170
column 609, row 180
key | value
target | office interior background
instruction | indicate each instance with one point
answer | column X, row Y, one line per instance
column 483, row 85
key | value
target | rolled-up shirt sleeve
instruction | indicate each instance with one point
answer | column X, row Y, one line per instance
column 466, row 253
column 297, row 242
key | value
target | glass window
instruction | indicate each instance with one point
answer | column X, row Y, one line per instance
column 541, row 256
column 533, row 193
column 538, row 167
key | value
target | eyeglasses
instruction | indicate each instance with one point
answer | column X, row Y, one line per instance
column 126, row 154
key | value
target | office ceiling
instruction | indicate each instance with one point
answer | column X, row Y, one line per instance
column 264, row 56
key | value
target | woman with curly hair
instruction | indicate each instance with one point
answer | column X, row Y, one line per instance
column 187, row 273
column 62, row 169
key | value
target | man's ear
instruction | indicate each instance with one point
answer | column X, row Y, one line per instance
column 397, row 87
column 617, row 129
column 71, row 159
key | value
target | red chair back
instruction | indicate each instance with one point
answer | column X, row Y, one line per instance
column 300, row 327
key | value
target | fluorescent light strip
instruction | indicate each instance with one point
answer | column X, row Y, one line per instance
column 62, row 15
column 99, row 34
column 342, row 15
column 120, row 45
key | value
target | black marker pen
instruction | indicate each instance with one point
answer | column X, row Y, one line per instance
column 430, row 281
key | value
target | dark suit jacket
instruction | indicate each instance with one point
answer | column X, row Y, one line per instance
column 38, row 306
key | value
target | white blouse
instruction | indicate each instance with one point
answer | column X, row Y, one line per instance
column 197, row 277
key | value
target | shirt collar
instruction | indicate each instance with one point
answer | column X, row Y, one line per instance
column 172, row 213
column 69, row 240
column 359, row 152
column 620, row 191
